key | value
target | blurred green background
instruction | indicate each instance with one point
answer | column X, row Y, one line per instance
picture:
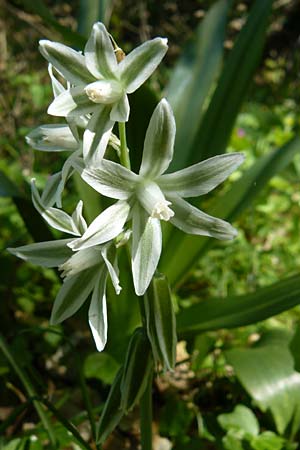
column 267, row 249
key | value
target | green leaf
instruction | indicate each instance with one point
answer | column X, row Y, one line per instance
column 193, row 77
column 182, row 251
column 39, row 7
column 215, row 130
column 231, row 312
column 268, row 441
column 137, row 370
column 161, row 322
column 7, row 187
column 112, row 413
column 241, row 418
column 267, row 373
column 101, row 366
column 91, row 11
column 295, row 346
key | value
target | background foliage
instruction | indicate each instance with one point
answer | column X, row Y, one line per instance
column 236, row 385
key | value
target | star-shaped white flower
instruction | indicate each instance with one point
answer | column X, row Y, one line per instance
column 84, row 272
column 99, row 84
column 154, row 196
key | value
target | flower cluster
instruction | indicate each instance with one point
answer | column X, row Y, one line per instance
column 93, row 98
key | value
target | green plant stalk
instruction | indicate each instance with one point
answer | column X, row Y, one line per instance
column 146, row 400
column 146, row 417
column 124, row 157
column 68, row 425
column 30, row 390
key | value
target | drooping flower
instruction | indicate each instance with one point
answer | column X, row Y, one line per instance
column 99, row 84
column 68, row 137
column 154, row 196
column 84, row 272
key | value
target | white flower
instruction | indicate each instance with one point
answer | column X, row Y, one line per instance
column 98, row 83
column 153, row 196
column 85, row 272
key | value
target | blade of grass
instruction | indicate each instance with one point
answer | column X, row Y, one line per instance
column 215, row 130
column 29, row 389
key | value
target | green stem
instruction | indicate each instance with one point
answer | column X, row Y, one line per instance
column 146, row 416
column 30, row 390
column 124, row 157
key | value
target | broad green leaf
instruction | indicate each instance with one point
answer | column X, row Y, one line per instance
column 267, row 373
column 241, row 418
column 268, row 441
column 161, row 322
column 182, row 250
column 215, row 130
column 40, row 8
column 232, row 312
column 101, row 366
column 137, row 370
column 193, row 78
column 232, row 441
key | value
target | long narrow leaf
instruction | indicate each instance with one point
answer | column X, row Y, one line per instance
column 91, row 11
column 232, row 312
column 184, row 250
column 214, row 133
column 193, row 78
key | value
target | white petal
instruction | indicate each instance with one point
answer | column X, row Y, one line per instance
column 99, row 53
column 49, row 195
column 98, row 312
column 68, row 62
column 73, row 293
column 202, row 177
column 81, row 260
column 46, row 254
column 120, row 110
column 193, row 221
column 56, row 218
column 57, row 87
column 113, row 271
column 104, row 228
column 139, row 64
column 73, row 102
column 146, row 248
column 78, row 218
column 111, row 179
column 159, row 141
column 96, row 135
column 52, row 138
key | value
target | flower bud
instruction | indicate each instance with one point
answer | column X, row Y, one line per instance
column 104, row 91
